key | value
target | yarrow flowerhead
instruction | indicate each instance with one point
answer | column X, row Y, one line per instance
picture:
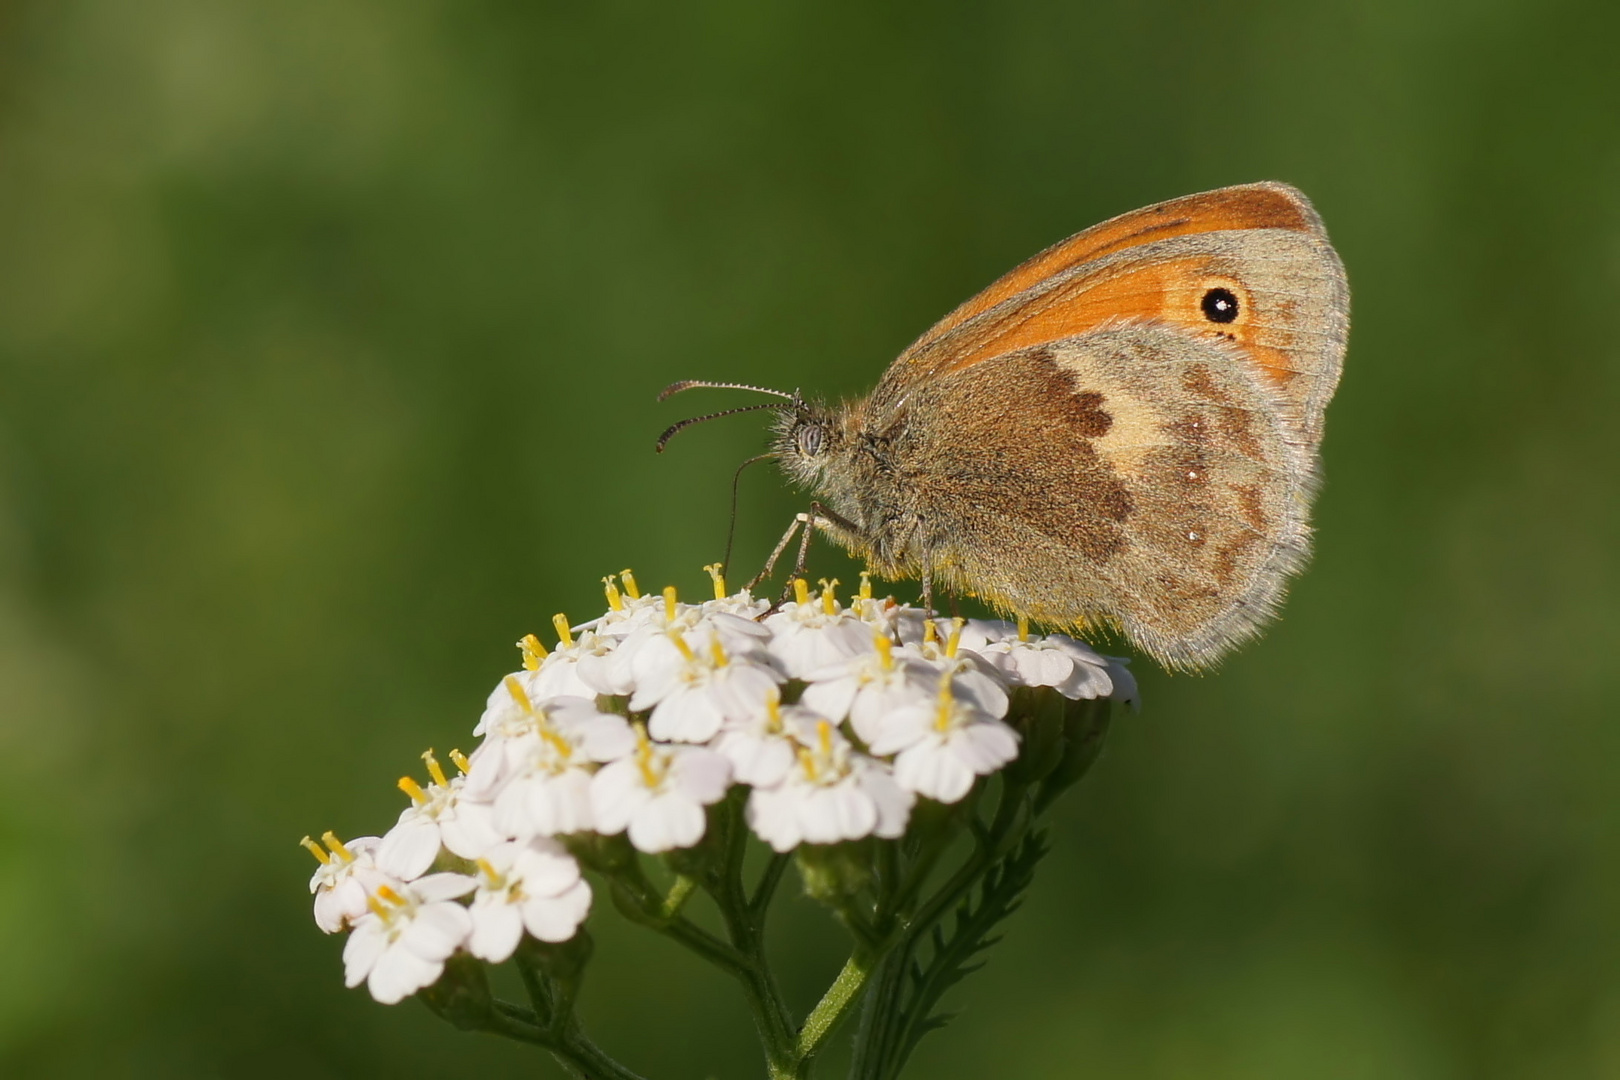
column 835, row 718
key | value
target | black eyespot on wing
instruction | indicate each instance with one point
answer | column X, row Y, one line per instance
column 1219, row 305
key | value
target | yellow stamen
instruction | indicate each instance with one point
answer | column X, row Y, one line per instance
column 489, row 871
column 1023, row 628
column 433, row 768
column 316, row 850
column 388, row 895
column 801, row 591
column 885, row 649
column 630, row 588
column 807, row 762
column 376, row 908
column 533, row 652
column 955, row 639
column 669, row 603
column 829, row 599
column 680, row 643
column 719, row 580
column 565, row 750
column 413, row 789
column 519, row 695
column 329, row 838
column 930, row 633
column 773, row 711
column 947, row 701
column 644, row 758
column 611, row 591
column 718, row 651
column 866, row 584
column 463, row 766
column 564, row 637
column 824, row 732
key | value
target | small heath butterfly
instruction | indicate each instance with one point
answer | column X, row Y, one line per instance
column 1120, row 433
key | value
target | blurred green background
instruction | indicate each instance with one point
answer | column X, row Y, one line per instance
column 329, row 337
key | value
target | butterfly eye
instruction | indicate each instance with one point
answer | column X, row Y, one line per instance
column 1219, row 305
column 812, row 439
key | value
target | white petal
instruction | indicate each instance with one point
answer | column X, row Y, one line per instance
column 1087, row 681
column 979, row 633
column 892, row 801
column 1043, row 667
column 741, row 691
column 329, row 911
column 410, row 847
column 399, row 973
column 985, row 747
column 687, row 715
column 929, row 769
column 839, row 812
column 701, row 775
column 545, row 868
column 666, row 821
column 831, row 698
column 511, row 812
column 555, row 918
column 873, row 705
column 561, row 804
column 437, row 930
column 607, row 738
column 1124, row 683
column 437, row 887
column 656, row 665
column 604, row 673
column 360, row 952
column 774, row 817
column 492, row 764
column 982, row 690
column 616, row 793
column 559, row 677
column 757, row 761
column 469, row 830
column 497, row 927
column 902, row 728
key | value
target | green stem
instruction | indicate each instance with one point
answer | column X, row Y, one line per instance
column 744, row 919
column 766, row 888
column 679, row 893
column 833, row 1007
column 880, row 1043
column 578, row 1056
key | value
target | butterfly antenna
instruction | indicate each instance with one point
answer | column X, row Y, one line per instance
column 695, row 384
column 669, row 432
column 731, row 529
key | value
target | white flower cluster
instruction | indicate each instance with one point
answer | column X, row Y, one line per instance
column 637, row 721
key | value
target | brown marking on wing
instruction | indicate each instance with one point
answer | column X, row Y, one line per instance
column 983, row 459
column 1250, row 206
column 1237, row 428
column 1252, row 504
column 1084, row 411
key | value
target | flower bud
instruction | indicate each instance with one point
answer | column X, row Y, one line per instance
column 461, row 995
column 834, row 874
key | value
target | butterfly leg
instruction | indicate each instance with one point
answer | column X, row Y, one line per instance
column 781, row 546
column 819, row 517
column 927, row 587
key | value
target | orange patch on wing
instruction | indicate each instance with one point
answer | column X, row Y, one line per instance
column 1259, row 206
column 1168, row 292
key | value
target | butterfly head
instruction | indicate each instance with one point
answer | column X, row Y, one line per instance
column 809, row 436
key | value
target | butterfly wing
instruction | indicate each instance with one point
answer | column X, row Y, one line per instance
column 1262, row 244
column 1130, row 477
column 1123, row 430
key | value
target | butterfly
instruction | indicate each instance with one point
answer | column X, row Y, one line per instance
column 1121, row 433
